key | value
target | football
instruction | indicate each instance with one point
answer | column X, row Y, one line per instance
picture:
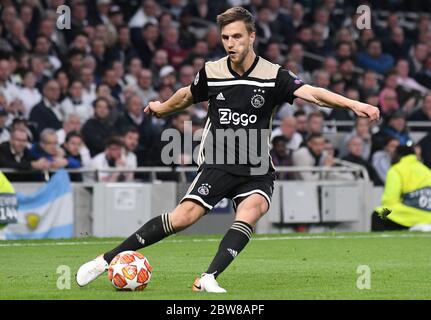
column 130, row 271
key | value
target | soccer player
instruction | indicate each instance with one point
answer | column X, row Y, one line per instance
column 243, row 91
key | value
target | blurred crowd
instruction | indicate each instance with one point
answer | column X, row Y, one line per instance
column 73, row 98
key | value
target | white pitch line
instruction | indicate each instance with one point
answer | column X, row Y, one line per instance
column 370, row 236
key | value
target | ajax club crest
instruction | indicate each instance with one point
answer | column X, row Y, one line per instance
column 204, row 189
column 258, row 100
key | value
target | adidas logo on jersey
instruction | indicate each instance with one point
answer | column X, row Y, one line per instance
column 234, row 253
column 220, row 96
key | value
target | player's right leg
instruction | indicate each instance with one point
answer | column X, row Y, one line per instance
column 156, row 229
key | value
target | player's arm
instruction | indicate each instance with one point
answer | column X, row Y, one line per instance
column 326, row 98
column 180, row 100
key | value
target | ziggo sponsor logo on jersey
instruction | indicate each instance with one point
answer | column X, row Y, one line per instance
column 228, row 117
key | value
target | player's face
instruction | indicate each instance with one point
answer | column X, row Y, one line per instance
column 237, row 41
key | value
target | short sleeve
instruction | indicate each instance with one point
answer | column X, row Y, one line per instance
column 286, row 84
column 199, row 87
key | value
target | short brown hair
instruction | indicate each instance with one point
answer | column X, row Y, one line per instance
column 237, row 14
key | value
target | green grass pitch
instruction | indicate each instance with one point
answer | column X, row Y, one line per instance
column 319, row 266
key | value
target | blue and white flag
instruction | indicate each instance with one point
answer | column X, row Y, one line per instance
column 47, row 213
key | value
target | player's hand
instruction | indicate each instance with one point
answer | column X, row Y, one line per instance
column 153, row 108
column 367, row 111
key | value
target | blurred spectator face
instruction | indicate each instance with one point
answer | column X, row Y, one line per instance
column 101, row 32
column 165, row 93
column 321, row 79
column 170, row 38
column 79, row 12
column 420, row 52
column 17, row 29
column 374, row 49
column 8, row 15
column 98, row 47
column 301, row 123
column 113, row 152
column 198, row 64
column 118, row 69
column 103, row 91
column 392, row 20
column 280, row 148
column 391, row 147
column 362, row 127
column 29, row 80
column 4, row 70
column 73, row 145
column 37, row 65
column 330, row 65
column 165, row 21
column 89, row 62
column 178, row 121
column 322, row 16
column 398, row 123
column 305, row 35
column 426, row 107
column 160, row 58
column 76, row 61
column 344, row 50
column 403, row 68
column 124, row 36
column 288, row 127
column 355, row 146
column 72, row 123
column 151, row 33
column 134, row 105
column 135, row 67
column 344, row 35
column 370, row 80
column 297, row 11
column 391, row 81
column 131, row 141
column 80, row 42
column 47, row 28
column 145, row 79
column 315, row 124
column 150, row 8
column 373, row 100
column 187, row 75
column 87, row 76
column 296, row 52
column 317, row 145
column 63, row 81
column 390, row 99
column 352, row 93
column 346, row 67
column 51, row 91
column 110, row 78
column 42, row 45
column 76, row 90
column 101, row 110
column 201, row 48
column 212, row 38
column 317, row 33
column 263, row 16
column 19, row 140
column 169, row 80
column 398, row 35
column 273, row 52
column 366, row 34
column 49, row 143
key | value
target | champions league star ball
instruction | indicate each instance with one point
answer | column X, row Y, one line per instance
column 130, row 271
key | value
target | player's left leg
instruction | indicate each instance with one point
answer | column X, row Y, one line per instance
column 249, row 211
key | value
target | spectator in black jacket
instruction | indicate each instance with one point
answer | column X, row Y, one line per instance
column 97, row 129
column 422, row 114
column 148, row 133
column 14, row 154
column 47, row 114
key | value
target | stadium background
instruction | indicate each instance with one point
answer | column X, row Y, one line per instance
column 85, row 87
